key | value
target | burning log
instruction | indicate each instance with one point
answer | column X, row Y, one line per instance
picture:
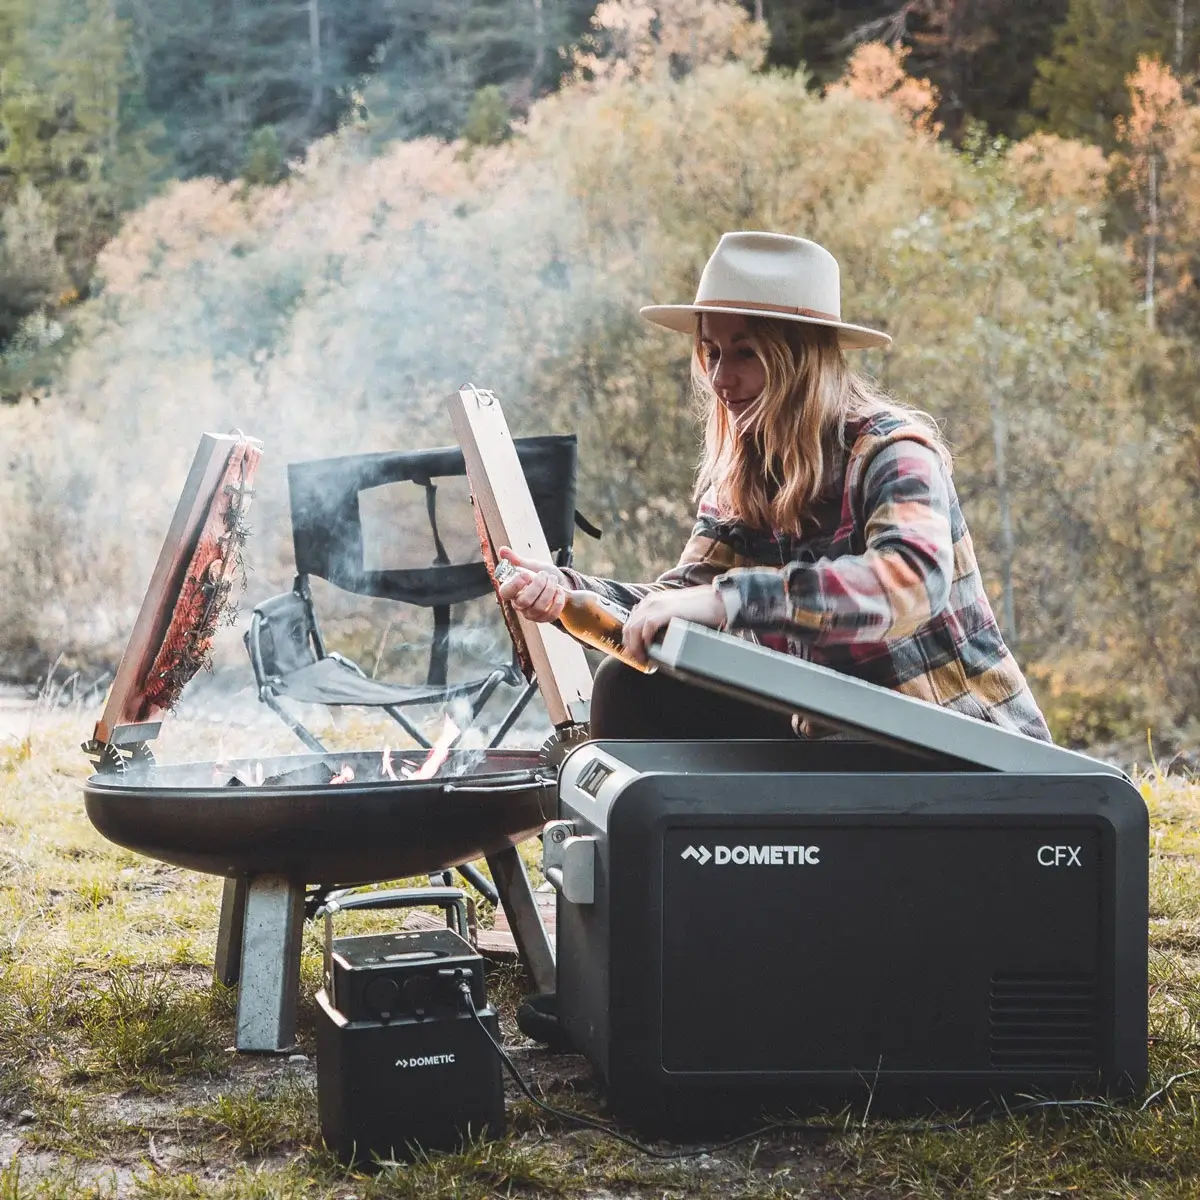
column 319, row 774
column 325, row 774
column 315, row 774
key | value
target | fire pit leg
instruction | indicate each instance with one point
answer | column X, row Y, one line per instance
column 270, row 967
column 533, row 945
column 229, row 932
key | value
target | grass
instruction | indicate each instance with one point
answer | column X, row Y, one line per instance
column 255, row 1123
column 117, row 1080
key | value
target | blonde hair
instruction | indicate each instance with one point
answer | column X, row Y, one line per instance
column 770, row 473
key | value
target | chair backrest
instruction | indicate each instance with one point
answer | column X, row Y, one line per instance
column 281, row 636
column 327, row 517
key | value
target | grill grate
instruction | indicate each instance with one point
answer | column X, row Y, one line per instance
column 1044, row 1021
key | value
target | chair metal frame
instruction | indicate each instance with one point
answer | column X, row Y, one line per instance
column 284, row 638
column 479, row 690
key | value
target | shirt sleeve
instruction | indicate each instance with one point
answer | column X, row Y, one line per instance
column 704, row 558
column 899, row 583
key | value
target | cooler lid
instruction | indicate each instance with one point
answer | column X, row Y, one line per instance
column 734, row 666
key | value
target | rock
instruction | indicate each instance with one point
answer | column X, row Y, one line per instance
column 26, row 1116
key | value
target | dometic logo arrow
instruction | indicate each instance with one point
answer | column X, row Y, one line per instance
column 701, row 856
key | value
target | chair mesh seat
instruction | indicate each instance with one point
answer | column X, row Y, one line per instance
column 328, row 681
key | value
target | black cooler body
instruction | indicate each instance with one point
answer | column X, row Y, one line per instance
column 754, row 927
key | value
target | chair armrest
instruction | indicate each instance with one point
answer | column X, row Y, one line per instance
column 346, row 662
column 251, row 639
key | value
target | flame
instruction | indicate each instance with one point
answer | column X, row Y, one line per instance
column 345, row 775
column 385, row 768
column 439, row 753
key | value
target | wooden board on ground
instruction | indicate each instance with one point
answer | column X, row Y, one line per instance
column 502, row 494
column 498, row 942
column 124, row 706
column 547, row 909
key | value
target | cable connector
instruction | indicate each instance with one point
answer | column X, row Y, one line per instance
column 462, row 979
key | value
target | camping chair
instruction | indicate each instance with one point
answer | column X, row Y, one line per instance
column 284, row 641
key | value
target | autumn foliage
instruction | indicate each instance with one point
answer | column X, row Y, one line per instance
column 876, row 72
column 331, row 312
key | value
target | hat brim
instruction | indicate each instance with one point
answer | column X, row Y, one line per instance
column 682, row 319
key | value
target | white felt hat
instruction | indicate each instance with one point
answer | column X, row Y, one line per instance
column 769, row 275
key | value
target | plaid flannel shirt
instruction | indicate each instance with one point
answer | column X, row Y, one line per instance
column 882, row 584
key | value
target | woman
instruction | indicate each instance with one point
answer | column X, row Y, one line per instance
column 828, row 524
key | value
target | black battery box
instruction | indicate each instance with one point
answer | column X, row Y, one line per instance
column 402, row 1062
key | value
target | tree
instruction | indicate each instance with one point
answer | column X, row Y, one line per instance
column 631, row 39
column 979, row 54
column 72, row 133
column 439, row 54
column 32, row 272
column 488, row 118
column 1156, row 184
column 876, row 72
column 820, row 34
column 1080, row 88
column 1149, row 135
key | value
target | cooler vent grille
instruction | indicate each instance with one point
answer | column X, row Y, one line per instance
column 1046, row 1022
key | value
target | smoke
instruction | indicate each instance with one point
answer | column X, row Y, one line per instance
column 329, row 315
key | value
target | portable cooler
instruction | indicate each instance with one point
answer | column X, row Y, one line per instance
column 942, row 913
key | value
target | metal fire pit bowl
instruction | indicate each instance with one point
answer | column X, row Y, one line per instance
column 480, row 802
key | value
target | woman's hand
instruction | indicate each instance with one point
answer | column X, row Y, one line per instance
column 653, row 613
column 538, row 591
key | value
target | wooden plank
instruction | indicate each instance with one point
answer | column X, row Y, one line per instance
column 496, row 943
column 498, row 946
column 502, row 494
column 547, row 906
column 124, row 701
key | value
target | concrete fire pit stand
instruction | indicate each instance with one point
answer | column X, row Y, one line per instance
column 258, row 949
column 271, row 840
column 262, row 926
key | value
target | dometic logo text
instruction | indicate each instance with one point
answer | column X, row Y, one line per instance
column 756, row 856
column 429, row 1060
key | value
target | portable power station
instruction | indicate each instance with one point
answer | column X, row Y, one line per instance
column 402, row 1064
column 755, row 927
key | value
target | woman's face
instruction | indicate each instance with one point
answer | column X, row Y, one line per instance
column 735, row 371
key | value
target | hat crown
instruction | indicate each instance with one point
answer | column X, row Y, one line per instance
column 773, row 275
column 771, row 271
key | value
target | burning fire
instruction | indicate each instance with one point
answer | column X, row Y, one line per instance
column 439, row 753
column 255, row 776
column 385, row 768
